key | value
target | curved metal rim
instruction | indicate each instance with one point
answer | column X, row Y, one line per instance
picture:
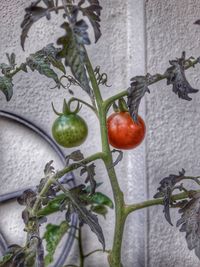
column 69, row 178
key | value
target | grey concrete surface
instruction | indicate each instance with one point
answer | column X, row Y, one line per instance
column 137, row 36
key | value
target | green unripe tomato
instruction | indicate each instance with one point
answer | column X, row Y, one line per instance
column 69, row 129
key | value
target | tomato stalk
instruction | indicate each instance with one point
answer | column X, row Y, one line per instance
column 114, row 257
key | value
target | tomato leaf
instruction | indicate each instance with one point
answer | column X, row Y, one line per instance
column 101, row 199
column 138, row 88
column 90, row 170
column 73, row 51
column 86, row 216
column 176, row 77
column 33, row 14
column 41, row 61
column 75, row 156
column 56, row 204
column 167, row 186
column 52, row 206
column 189, row 223
column 53, row 235
column 119, row 157
column 100, row 209
column 6, row 86
column 27, row 198
column 5, row 259
column 93, row 12
column 78, row 206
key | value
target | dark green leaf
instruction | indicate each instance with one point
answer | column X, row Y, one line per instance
column 176, row 77
column 119, row 157
column 75, row 156
column 5, row 68
column 90, row 170
column 49, row 169
column 53, row 236
column 167, row 186
column 93, row 12
column 189, row 222
column 101, row 199
column 139, row 86
column 52, row 206
column 11, row 59
column 100, row 209
column 87, row 189
column 5, row 259
column 42, row 65
column 57, row 64
column 73, row 51
column 23, row 67
column 51, row 54
column 6, row 86
column 85, row 216
column 33, row 14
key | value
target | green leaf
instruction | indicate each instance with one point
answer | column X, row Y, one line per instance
column 91, row 220
column 52, row 206
column 100, row 209
column 5, row 259
column 33, row 14
column 93, row 12
column 6, row 86
column 42, row 65
column 73, row 51
column 90, row 170
column 101, row 199
column 57, row 64
column 53, row 236
column 86, row 216
column 51, row 54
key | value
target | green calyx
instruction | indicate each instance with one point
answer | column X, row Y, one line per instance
column 66, row 109
column 121, row 106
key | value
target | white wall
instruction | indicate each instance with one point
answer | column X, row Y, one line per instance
column 135, row 38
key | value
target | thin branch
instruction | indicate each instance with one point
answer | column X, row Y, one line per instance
column 153, row 202
column 61, row 173
column 83, row 102
column 155, row 78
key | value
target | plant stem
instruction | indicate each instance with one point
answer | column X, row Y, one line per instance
column 152, row 202
column 120, row 216
column 58, row 175
column 83, row 102
column 155, row 78
column 80, row 245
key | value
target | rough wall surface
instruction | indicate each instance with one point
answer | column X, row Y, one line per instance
column 32, row 99
column 172, row 140
column 173, row 125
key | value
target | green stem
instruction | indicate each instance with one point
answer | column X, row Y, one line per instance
column 83, row 102
column 156, row 78
column 58, row 175
column 120, row 216
column 152, row 202
column 80, row 245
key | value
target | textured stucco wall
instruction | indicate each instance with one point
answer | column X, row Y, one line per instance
column 32, row 98
column 137, row 38
column 173, row 125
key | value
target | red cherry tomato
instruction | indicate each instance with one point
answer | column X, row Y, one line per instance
column 123, row 132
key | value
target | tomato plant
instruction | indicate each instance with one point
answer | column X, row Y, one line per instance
column 69, row 129
column 123, row 132
column 125, row 129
